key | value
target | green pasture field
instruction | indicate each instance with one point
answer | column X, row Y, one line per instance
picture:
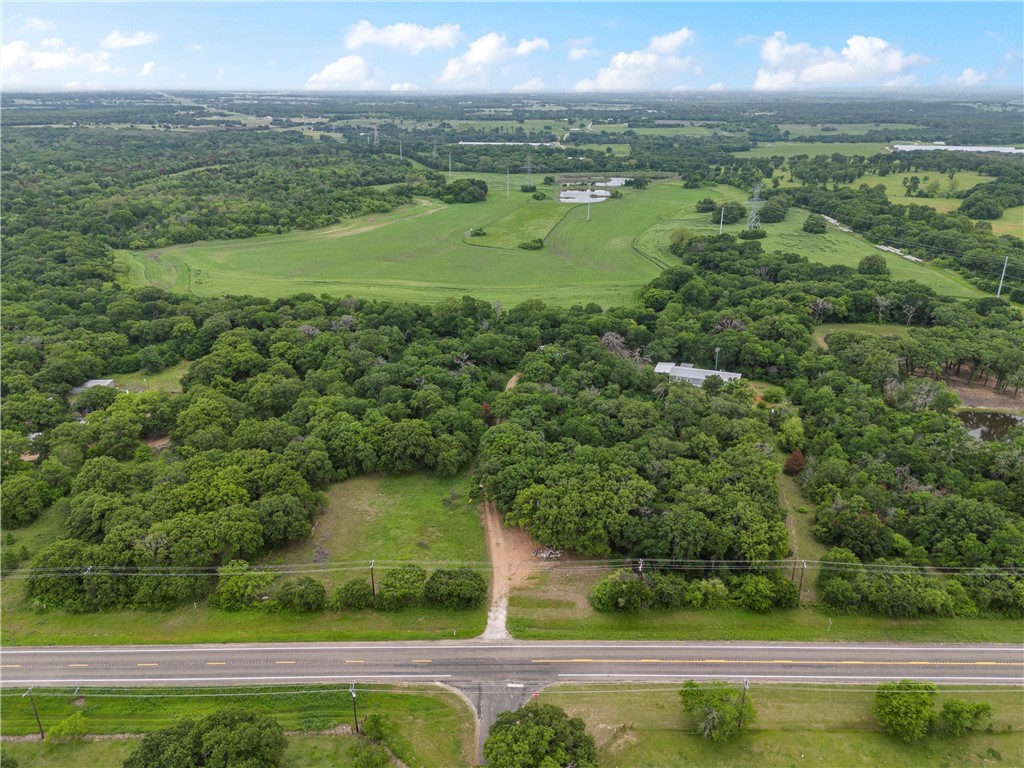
column 1011, row 222
column 410, row 518
column 506, row 129
column 800, row 130
column 619, row 150
column 885, row 329
column 420, row 253
column 425, row 726
column 788, row 149
column 795, row 725
column 167, row 380
column 834, row 247
column 662, row 130
column 553, row 606
column 535, row 218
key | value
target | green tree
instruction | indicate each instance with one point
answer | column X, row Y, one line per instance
column 455, row 589
column 873, row 264
column 71, row 728
column 353, row 595
column 718, row 710
column 539, row 736
column 621, row 590
column 401, row 588
column 904, row 708
column 228, row 738
column 304, row 594
column 239, row 586
column 814, row 224
column 959, row 717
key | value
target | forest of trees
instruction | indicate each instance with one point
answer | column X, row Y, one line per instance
column 596, row 453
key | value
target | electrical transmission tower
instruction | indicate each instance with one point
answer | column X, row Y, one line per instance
column 435, row 148
column 376, row 136
column 754, row 220
column 529, row 169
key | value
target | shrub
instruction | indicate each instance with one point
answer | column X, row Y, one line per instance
column 304, row 594
column 540, row 196
column 718, row 710
column 756, row 593
column 904, row 708
column 707, row 593
column 873, row 264
column 528, row 188
column 959, row 717
column 752, row 234
column 814, row 224
column 353, row 595
column 455, row 589
column 621, row 590
column 669, row 590
column 532, row 245
column 401, row 588
column 238, row 586
column 71, row 728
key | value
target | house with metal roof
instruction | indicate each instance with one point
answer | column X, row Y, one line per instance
column 691, row 375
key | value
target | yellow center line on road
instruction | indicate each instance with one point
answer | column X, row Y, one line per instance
column 420, row 661
column 9, row 666
column 354, row 661
column 284, row 662
column 216, row 663
column 78, row 665
column 147, row 665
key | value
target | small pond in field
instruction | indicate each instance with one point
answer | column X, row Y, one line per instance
column 583, row 195
column 989, row 425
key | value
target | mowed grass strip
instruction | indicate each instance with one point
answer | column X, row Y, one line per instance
column 426, row 726
column 788, row 149
column 795, row 725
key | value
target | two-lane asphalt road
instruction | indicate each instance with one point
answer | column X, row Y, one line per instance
column 530, row 663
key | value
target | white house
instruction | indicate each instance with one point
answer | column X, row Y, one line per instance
column 695, row 376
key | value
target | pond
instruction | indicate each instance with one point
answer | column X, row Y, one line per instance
column 583, row 196
column 989, row 425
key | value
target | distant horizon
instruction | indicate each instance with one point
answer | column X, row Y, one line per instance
column 543, row 47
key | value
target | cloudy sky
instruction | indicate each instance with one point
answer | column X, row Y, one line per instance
column 513, row 46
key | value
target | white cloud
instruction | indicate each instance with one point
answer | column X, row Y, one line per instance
column 345, row 73
column 533, row 84
column 671, row 42
column 397, row 87
column 716, row 87
column 971, row 77
column 147, row 69
column 649, row 68
column 74, row 85
column 19, row 59
column 35, row 24
column 194, row 47
column 52, row 42
column 411, row 38
column 576, row 54
column 116, row 40
column 485, row 52
column 865, row 60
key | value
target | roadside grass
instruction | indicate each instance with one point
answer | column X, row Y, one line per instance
column 875, row 329
column 1010, row 223
column 410, row 518
column 789, row 148
column 553, row 606
column 425, row 726
column 167, row 380
column 833, row 247
column 796, row 725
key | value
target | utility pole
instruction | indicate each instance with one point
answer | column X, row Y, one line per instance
column 449, row 166
column 743, row 700
column 355, row 712
column 588, row 210
column 1002, row 276
column 721, row 220
column 640, row 570
column 373, row 584
column 35, row 712
column 800, row 590
column 400, row 155
column 717, row 350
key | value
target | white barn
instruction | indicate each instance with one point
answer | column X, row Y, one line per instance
column 691, row 375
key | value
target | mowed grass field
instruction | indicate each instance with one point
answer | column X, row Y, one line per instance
column 828, row 727
column 834, row 247
column 788, row 149
column 421, row 253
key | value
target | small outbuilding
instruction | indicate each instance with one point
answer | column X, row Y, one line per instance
column 92, row 383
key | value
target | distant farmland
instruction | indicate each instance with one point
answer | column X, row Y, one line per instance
column 423, row 253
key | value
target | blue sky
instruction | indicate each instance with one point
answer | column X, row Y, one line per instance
column 517, row 46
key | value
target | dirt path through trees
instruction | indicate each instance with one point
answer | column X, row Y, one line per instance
column 509, row 550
